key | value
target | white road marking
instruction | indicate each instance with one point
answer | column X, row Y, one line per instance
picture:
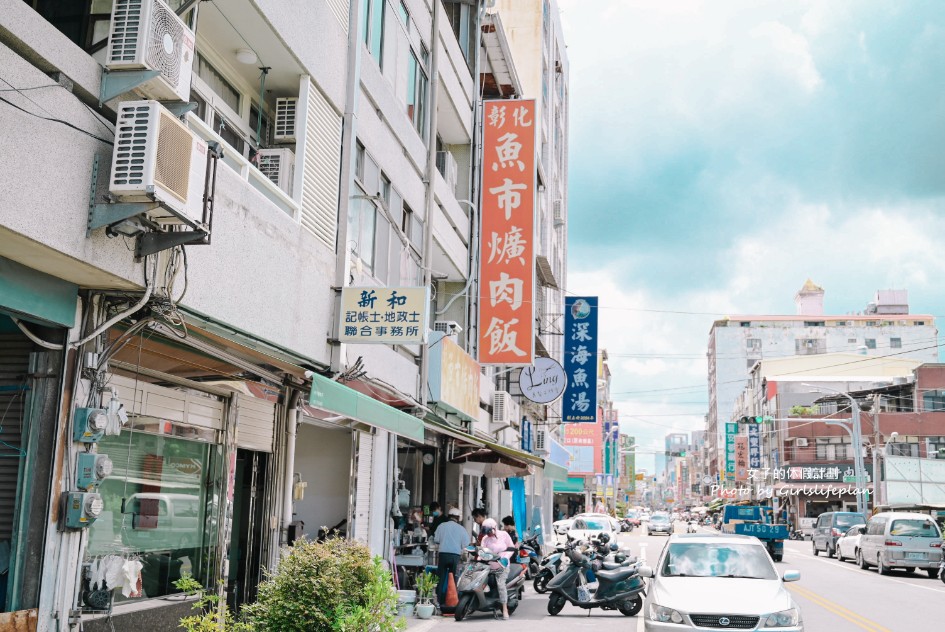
column 640, row 624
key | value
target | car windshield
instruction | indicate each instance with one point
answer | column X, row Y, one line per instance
column 717, row 560
column 594, row 525
column 848, row 520
column 659, row 519
column 916, row 528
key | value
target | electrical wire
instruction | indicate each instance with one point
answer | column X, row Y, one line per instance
column 60, row 121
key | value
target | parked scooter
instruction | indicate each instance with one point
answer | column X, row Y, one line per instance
column 550, row 566
column 532, row 546
column 477, row 589
column 619, row 585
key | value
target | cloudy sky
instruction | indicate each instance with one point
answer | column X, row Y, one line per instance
column 724, row 151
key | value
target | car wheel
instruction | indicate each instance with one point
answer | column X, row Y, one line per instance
column 933, row 572
column 840, row 557
column 910, row 570
column 860, row 561
column 881, row 567
column 463, row 608
column 556, row 603
column 814, row 546
column 831, row 552
column 630, row 607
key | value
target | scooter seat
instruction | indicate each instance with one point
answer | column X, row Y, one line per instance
column 616, row 575
column 514, row 571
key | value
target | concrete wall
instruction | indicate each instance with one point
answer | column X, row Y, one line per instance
column 323, row 458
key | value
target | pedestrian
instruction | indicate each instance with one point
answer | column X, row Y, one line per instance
column 451, row 537
column 508, row 525
column 478, row 516
column 499, row 542
column 437, row 515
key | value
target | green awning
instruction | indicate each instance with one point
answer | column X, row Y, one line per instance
column 519, row 455
column 336, row 398
column 557, row 473
column 33, row 295
column 569, row 486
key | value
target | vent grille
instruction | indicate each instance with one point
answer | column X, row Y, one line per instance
column 125, row 32
column 172, row 164
column 131, row 145
column 735, row 622
column 165, row 39
column 540, row 440
column 270, row 165
column 286, row 108
column 319, row 213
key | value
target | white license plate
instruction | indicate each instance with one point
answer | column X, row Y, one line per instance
column 915, row 556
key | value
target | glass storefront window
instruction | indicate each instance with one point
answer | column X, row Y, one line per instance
column 161, row 502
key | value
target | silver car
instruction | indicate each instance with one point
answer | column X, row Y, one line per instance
column 659, row 523
column 718, row 581
column 901, row 540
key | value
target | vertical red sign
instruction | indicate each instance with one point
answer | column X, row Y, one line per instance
column 507, row 253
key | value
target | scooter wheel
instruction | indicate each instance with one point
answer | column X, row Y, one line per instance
column 555, row 604
column 541, row 582
column 463, row 608
column 630, row 607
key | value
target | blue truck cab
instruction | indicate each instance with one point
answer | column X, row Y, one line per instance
column 756, row 521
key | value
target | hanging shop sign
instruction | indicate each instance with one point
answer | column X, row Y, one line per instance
column 383, row 315
column 454, row 377
column 741, row 458
column 754, row 446
column 585, row 443
column 731, row 429
column 507, row 265
column 580, row 359
column 543, row 382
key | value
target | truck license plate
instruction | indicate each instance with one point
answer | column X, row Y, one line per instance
column 915, row 556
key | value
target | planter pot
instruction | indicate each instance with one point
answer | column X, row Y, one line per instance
column 425, row 610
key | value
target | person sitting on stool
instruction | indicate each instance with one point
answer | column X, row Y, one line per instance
column 451, row 537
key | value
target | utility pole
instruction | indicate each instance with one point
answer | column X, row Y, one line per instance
column 877, row 438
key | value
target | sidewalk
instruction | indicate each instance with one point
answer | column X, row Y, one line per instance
column 423, row 625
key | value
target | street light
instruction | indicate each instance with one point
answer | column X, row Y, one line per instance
column 856, row 438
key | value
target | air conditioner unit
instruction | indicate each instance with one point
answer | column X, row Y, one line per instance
column 148, row 35
column 286, row 109
column 505, row 410
column 800, row 442
column 542, row 444
column 446, row 165
column 558, row 213
column 449, row 327
column 279, row 166
column 157, row 158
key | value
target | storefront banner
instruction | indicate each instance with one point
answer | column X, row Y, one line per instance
column 585, row 443
column 731, row 429
column 741, row 458
column 580, row 359
column 754, row 446
column 383, row 315
column 454, row 377
column 507, row 265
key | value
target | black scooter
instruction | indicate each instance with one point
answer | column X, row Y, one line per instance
column 619, row 587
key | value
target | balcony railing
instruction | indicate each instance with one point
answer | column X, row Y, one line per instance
column 235, row 161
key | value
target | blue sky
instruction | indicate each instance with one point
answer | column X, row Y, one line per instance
column 722, row 152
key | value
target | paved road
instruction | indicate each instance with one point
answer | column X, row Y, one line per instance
column 833, row 597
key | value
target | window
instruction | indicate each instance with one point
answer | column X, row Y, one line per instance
column 851, row 341
column 754, row 344
column 898, row 448
column 871, row 323
column 372, row 27
column 463, row 18
column 403, row 13
column 745, row 323
column 912, row 528
column 416, row 93
column 359, row 161
column 412, row 226
column 920, row 322
column 895, row 343
column 385, row 188
column 933, row 401
column 876, row 526
column 809, row 346
column 217, row 82
column 261, row 130
column 814, row 323
column 362, row 227
column 870, row 343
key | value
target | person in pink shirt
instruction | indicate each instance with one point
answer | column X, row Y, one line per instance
column 498, row 541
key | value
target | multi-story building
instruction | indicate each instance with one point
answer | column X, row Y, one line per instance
column 736, row 343
column 175, row 241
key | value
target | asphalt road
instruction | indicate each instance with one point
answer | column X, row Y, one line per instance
column 833, row 597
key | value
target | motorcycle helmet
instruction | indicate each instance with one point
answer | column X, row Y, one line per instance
column 603, row 539
column 488, row 527
column 614, row 547
column 620, row 558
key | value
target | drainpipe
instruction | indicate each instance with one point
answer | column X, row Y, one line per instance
column 429, row 178
column 291, row 431
column 348, row 142
column 475, row 192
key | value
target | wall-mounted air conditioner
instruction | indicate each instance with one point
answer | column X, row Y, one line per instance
column 800, row 442
column 505, row 410
column 279, row 166
column 446, row 165
column 449, row 327
column 286, row 111
column 148, row 35
column 157, row 158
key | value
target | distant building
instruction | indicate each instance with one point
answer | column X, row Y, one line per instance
column 736, row 343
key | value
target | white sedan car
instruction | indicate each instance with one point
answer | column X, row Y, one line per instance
column 718, row 581
column 587, row 526
column 561, row 526
column 849, row 542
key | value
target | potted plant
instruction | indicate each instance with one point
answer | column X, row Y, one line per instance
column 426, row 584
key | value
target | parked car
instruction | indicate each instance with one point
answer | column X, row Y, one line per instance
column 587, row 526
column 849, row 543
column 901, row 540
column 659, row 523
column 634, row 518
column 163, row 521
column 718, row 581
column 830, row 526
column 561, row 526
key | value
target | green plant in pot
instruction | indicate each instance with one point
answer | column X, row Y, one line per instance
column 426, row 585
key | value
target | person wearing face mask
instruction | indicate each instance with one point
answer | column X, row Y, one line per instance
column 498, row 541
column 437, row 515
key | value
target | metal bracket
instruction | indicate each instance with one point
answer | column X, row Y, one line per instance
column 150, row 243
column 106, row 214
column 118, row 82
column 179, row 108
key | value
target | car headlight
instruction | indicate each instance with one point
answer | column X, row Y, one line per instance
column 783, row 619
column 664, row 615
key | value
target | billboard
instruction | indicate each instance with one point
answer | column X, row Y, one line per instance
column 754, row 446
column 741, row 458
column 731, row 429
column 383, row 315
column 507, row 261
column 585, row 443
column 580, row 360
column 454, row 377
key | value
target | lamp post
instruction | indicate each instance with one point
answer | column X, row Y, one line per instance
column 856, row 436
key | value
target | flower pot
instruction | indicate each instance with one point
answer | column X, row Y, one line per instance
column 425, row 610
